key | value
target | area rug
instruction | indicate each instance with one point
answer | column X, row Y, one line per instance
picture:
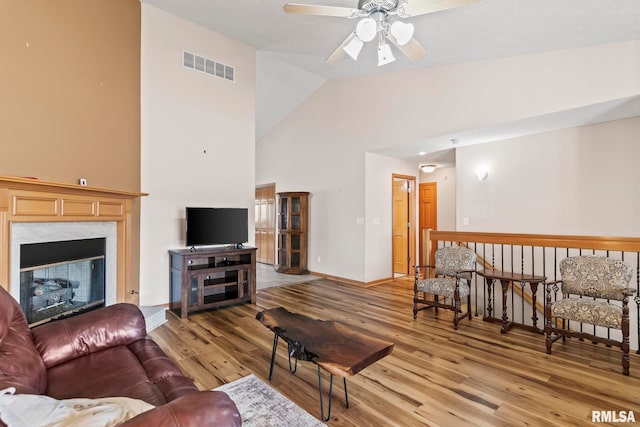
column 262, row 406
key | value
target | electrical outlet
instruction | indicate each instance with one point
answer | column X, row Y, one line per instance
column 465, row 221
column 318, row 259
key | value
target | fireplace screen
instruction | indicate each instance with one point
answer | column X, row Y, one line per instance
column 58, row 279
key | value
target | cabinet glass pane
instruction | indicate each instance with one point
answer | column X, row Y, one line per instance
column 295, row 222
column 283, row 222
column 283, row 241
column 295, row 204
column 283, row 258
column 193, row 294
column 295, row 259
column 284, row 205
column 295, row 242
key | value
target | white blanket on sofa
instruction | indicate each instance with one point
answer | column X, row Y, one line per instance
column 30, row 410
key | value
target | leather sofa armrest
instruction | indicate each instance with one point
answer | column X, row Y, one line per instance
column 204, row 408
column 77, row 336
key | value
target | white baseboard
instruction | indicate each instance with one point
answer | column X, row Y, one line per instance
column 154, row 316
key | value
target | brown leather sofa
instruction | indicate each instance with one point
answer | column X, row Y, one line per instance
column 104, row 353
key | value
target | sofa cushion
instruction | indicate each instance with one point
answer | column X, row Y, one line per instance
column 78, row 336
column 204, row 408
column 161, row 371
column 141, row 371
column 112, row 372
column 20, row 363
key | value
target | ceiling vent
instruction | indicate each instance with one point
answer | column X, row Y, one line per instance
column 208, row 66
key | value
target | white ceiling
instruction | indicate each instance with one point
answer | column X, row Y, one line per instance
column 483, row 30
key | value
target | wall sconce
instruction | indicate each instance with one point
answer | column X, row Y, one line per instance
column 428, row 168
column 482, row 174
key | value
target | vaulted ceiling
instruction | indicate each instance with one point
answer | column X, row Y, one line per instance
column 483, row 30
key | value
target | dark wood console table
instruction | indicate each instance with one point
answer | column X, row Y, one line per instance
column 505, row 279
column 209, row 278
column 334, row 347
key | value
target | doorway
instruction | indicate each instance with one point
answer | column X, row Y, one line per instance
column 265, row 217
column 427, row 212
column 404, row 227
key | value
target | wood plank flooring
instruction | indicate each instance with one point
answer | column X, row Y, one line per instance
column 435, row 376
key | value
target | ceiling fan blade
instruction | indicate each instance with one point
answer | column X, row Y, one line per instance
column 339, row 53
column 311, row 9
column 412, row 50
column 420, row 7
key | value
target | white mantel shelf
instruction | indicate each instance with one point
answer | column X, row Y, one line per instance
column 34, row 200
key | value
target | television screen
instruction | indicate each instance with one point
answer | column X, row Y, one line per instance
column 217, row 226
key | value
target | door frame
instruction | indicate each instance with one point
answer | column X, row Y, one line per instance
column 422, row 245
column 271, row 260
column 411, row 220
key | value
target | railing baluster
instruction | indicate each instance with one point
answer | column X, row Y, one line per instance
column 637, row 300
column 551, row 253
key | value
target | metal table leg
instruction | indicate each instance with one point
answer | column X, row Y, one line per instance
column 273, row 354
column 346, row 395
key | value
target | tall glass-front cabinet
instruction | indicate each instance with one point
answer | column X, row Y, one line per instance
column 293, row 210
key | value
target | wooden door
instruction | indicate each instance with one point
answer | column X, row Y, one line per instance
column 403, row 224
column 428, row 211
column 265, row 223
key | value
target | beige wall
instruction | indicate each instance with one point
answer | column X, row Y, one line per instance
column 70, row 85
column 70, row 93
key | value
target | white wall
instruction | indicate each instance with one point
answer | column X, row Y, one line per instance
column 445, row 178
column 378, row 219
column 198, row 135
column 305, row 159
column 579, row 181
column 319, row 146
column 280, row 87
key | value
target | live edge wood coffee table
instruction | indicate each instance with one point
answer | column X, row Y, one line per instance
column 333, row 347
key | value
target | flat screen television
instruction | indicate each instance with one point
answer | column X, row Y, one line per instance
column 217, row 226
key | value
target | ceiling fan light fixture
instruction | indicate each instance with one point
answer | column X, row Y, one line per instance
column 354, row 47
column 385, row 56
column 366, row 29
column 402, row 31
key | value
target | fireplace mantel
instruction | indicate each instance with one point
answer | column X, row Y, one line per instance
column 34, row 200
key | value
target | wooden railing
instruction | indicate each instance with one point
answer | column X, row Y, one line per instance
column 539, row 255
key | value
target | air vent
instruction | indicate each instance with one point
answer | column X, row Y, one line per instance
column 208, row 66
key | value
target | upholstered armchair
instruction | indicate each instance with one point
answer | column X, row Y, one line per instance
column 595, row 290
column 450, row 277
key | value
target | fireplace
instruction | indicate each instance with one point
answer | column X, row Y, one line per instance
column 38, row 211
column 62, row 278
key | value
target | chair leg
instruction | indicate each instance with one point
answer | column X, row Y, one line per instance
column 548, row 342
column 456, row 307
column 625, row 336
column 415, row 304
column 469, row 304
column 548, row 320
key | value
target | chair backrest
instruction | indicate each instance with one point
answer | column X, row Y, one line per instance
column 595, row 276
column 451, row 259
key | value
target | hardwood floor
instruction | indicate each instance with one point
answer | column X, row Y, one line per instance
column 434, row 376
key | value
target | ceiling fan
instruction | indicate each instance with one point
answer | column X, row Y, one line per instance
column 376, row 20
